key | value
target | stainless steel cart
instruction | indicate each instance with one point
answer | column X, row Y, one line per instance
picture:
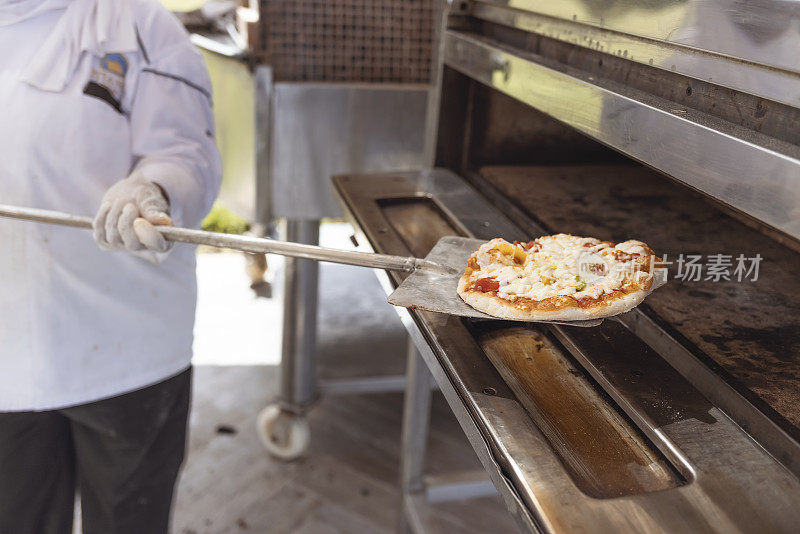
column 340, row 87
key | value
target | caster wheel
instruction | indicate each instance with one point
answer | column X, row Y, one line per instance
column 286, row 436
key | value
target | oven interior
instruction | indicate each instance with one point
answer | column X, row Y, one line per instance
column 546, row 178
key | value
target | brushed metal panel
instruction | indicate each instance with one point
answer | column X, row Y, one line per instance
column 766, row 81
column 320, row 130
column 758, row 31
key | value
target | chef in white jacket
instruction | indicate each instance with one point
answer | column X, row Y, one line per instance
column 105, row 109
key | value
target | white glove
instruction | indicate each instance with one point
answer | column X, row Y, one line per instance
column 127, row 214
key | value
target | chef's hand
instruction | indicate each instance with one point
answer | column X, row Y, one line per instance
column 127, row 215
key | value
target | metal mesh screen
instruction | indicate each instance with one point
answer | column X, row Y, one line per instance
column 348, row 40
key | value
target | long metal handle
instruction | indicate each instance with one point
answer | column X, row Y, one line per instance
column 243, row 243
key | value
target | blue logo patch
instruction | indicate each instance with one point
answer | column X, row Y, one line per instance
column 115, row 63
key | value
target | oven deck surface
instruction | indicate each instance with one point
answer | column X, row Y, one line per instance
column 750, row 331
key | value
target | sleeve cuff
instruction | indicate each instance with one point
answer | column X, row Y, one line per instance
column 182, row 191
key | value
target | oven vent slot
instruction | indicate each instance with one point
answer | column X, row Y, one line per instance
column 418, row 221
column 604, row 453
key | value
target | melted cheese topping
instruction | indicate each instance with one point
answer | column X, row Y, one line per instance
column 560, row 264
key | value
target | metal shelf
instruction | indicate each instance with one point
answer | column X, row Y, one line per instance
column 727, row 476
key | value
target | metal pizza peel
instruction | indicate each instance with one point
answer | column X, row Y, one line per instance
column 432, row 284
column 437, row 292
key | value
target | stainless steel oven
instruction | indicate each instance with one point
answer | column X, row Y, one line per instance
column 674, row 122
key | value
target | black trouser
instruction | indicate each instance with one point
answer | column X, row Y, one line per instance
column 123, row 454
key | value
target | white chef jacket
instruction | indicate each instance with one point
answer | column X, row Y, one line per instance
column 78, row 324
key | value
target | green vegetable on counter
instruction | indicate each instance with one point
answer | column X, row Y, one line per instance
column 223, row 220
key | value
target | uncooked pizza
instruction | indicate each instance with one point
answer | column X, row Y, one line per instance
column 558, row 277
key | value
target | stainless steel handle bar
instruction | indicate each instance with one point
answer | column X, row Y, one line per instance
column 243, row 243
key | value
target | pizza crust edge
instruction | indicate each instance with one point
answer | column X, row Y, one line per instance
column 503, row 309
